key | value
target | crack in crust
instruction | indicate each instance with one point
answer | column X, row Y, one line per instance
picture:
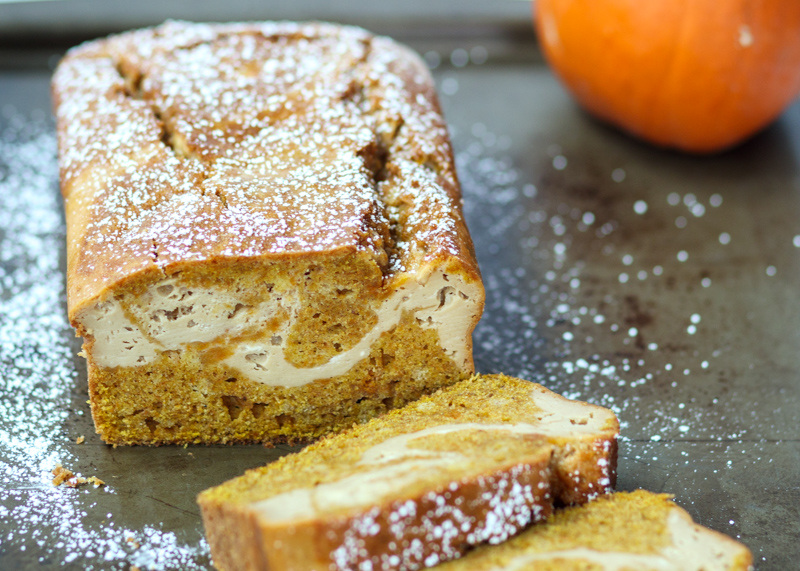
column 133, row 79
column 155, row 252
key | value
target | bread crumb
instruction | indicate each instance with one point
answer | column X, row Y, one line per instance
column 62, row 475
column 68, row 478
column 95, row 481
column 80, row 440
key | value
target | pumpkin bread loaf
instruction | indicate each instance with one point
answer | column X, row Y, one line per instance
column 476, row 462
column 622, row 531
column 265, row 235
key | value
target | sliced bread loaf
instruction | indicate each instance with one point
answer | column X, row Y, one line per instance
column 474, row 463
column 639, row 530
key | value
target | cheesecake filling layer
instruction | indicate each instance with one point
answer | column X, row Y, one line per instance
column 692, row 548
column 171, row 316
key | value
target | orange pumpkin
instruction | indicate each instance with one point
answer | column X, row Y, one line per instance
column 696, row 75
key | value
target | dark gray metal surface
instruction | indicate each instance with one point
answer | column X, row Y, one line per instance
column 29, row 31
column 94, row 17
column 660, row 285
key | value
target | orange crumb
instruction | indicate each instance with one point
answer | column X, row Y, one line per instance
column 61, row 475
column 68, row 478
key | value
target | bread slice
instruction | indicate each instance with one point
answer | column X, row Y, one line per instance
column 638, row 530
column 264, row 227
column 476, row 462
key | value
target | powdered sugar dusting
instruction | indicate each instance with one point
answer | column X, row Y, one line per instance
column 438, row 527
column 33, row 357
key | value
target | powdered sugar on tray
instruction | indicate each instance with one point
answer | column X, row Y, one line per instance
column 44, row 525
column 544, row 262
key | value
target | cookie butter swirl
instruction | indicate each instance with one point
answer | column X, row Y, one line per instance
column 176, row 317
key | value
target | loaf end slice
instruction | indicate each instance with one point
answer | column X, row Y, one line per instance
column 474, row 463
column 639, row 530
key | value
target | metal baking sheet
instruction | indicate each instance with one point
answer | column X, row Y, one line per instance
column 660, row 285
